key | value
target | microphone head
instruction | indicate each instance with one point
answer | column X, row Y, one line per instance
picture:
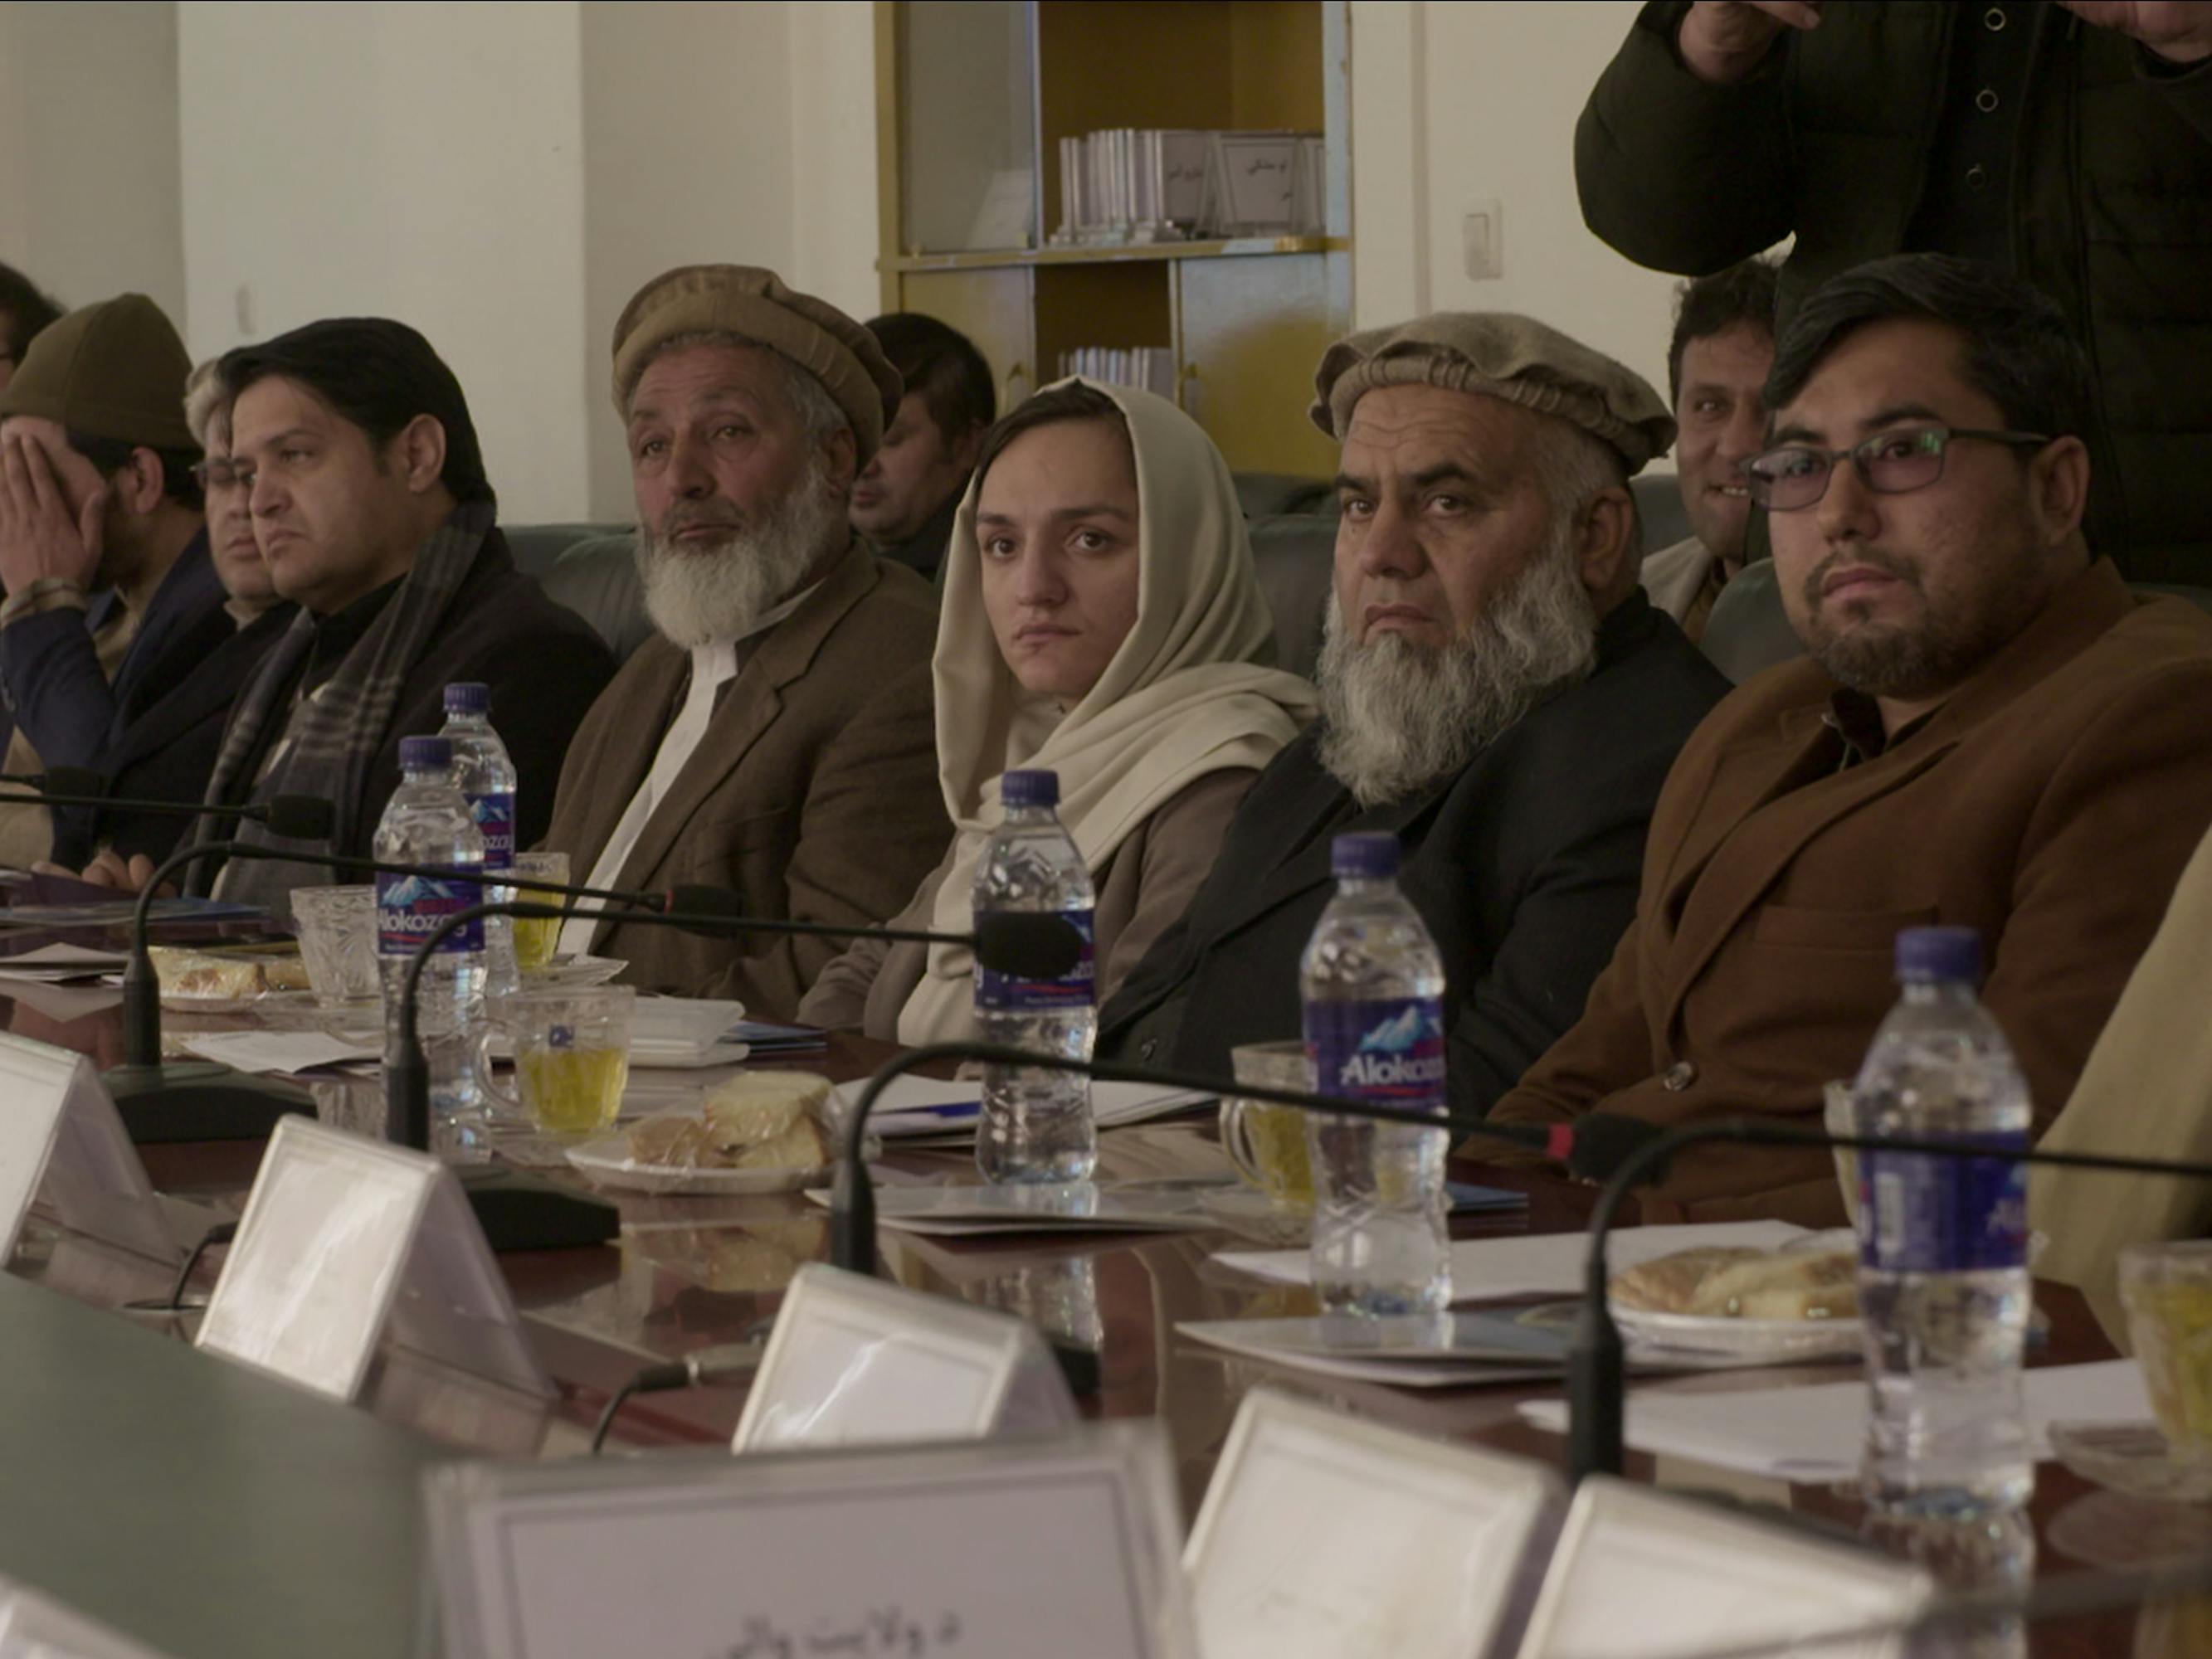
column 1027, row 945
column 1603, row 1141
column 301, row 818
column 73, row 780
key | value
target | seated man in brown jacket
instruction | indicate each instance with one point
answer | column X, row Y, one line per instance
column 1989, row 731
column 776, row 738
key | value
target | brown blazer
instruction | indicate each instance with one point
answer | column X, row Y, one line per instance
column 2050, row 803
column 1142, row 890
column 813, row 794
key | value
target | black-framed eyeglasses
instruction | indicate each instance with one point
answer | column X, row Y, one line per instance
column 1795, row 476
column 222, row 475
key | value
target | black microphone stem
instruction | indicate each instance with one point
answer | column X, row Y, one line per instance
column 853, row 1198
column 1595, row 1369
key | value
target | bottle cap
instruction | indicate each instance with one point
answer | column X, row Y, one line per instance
column 1950, row 955
column 1370, row 855
column 1029, row 788
column 468, row 697
column 425, row 754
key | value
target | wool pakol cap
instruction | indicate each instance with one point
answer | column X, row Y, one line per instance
column 116, row 370
column 753, row 303
column 1502, row 356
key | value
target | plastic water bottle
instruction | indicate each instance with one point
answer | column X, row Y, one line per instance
column 427, row 822
column 486, row 776
column 1035, row 1125
column 1943, row 1281
column 1373, row 988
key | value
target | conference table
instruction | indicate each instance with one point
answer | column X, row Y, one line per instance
column 690, row 1273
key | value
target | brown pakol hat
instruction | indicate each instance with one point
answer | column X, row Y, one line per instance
column 1503, row 356
column 115, row 370
column 753, row 302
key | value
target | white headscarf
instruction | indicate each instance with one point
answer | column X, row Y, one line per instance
column 1186, row 694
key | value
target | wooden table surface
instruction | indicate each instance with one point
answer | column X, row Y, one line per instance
column 690, row 1273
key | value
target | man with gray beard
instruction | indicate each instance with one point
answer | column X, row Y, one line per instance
column 1496, row 691
column 777, row 739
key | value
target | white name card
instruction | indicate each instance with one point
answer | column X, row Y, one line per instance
column 62, row 1145
column 347, row 1242
column 1326, row 1537
column 854, row 1360
column 1061, row 1545
column 1637, row 1572
column 34, row 1626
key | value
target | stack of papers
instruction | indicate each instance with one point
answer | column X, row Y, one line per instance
column 1817, row 1432
column 765, row 1042
column 1545, row 1264
column 936, row 1109
column 684, row 1032
column 53, row 965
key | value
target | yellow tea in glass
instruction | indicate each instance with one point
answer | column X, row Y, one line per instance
column 1267, row 1143
column 536, row 938
column 571, row 1057
column 2166, row 1290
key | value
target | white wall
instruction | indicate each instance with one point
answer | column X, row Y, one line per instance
column 89, row 184
column 420, row 162
column 1453, row 104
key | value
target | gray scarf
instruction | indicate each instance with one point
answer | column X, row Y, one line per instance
column 330, row 739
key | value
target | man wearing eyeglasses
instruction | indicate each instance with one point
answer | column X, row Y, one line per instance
column 1988, row 730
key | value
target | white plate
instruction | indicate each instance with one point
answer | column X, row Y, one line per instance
column 608, row 1162
column 1742, row 1339
column 573, row 973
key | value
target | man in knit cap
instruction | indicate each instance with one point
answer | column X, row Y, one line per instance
column 776, row 738
column 1496, row 691
column 112, row 595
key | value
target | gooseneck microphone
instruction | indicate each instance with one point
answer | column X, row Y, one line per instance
column 518, row 1211
column 1596, row 1382
column 1600, row 1142
column 291, row 816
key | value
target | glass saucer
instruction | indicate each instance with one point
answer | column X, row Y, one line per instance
column 2135, row 1458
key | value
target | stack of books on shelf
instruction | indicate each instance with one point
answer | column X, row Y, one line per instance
column 1148, row 368
column 1130, row 185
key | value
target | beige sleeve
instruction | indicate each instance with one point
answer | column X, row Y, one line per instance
column 1153, row 876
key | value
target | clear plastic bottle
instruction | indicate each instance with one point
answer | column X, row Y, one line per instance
column 1943, row 1281
column 427, row 822
column 1035, row 1125
column 1373, row 986
column 485, row 773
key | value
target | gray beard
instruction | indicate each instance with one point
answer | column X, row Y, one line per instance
column 699, row 594
column 1399, row 718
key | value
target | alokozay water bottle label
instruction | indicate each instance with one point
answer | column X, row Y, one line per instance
column 410, row 908
column 495, row 818
column 1390, row 1052
column 1937, row 1215
column 1006, row 994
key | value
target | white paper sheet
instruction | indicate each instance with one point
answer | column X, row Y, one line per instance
column 1544, row 1264
column 915, row 1107
column 1817, row 1433
column 264, row 1052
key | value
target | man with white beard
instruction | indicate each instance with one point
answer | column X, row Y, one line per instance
column 1496, row 691
column 777, row 739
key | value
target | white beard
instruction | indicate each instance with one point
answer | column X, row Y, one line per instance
column 701, row 593
column 1398, row 718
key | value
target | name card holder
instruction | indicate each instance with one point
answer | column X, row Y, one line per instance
column 35, row 1626
column 348, row 1243
column 1324, row 1536
column 1639, row 1572
column 63, row 1148
column 1061, row 1544
column 854, row 1360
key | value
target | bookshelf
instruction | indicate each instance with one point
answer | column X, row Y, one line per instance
column 973, row 99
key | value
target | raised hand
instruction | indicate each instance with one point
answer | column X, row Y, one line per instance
column 39, row 534
column 1723, row 40
column 2179, row 31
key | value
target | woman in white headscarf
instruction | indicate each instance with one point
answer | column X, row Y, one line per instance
column 1103, row 622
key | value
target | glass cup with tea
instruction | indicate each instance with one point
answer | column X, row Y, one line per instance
column 535, row 936
column 571, row 1058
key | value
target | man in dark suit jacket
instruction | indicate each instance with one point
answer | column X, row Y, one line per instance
column 1496, row 690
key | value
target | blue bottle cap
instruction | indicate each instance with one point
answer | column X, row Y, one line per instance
column 468, row 697
column 1029, row 788
column 1369, row 855
column 425, row 754
column 1949, row 956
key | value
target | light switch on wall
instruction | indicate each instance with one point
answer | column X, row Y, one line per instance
column 1482, row 240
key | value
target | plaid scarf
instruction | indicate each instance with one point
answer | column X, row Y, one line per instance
column 330, row 739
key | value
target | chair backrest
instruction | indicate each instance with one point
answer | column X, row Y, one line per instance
column 597, row 579
column 1294, row 555
column 1659, row 509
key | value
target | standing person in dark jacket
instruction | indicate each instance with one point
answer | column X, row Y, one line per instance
column 1496, row 691
column 2070, row 145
